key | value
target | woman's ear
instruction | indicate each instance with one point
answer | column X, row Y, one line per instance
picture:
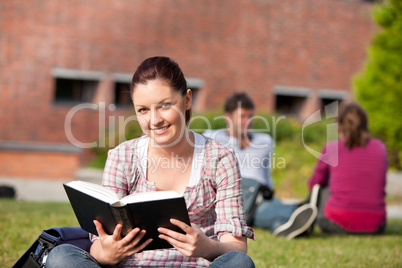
column 188, row 99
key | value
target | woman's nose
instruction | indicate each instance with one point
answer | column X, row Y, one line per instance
column 156, row 117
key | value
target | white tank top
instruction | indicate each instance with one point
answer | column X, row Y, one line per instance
column 198, row 157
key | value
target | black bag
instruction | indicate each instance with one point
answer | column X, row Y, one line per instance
column 7, row 191
column 253, row 194
column 35, row 256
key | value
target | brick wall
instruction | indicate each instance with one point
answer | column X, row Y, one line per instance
column 38, row 164
column 39, row 160
column 239, row 45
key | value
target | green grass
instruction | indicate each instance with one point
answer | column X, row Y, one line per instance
column 321, row 250
column 21, row 222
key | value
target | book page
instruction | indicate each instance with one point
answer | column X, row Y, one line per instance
column 149, row 196
column 95, row 190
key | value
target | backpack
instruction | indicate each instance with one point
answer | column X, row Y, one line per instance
column 35, row 256
column 253, row 194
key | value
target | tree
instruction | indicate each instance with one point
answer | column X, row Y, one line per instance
column 379, row 87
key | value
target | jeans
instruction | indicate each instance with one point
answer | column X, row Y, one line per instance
column 233, row 259
column 252, row 197
column 271, row 214
column 330, row 227
column 71, row 256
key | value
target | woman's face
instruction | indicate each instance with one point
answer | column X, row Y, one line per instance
column 161, row 111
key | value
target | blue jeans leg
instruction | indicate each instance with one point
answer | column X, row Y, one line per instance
column 233, row 259
column 67, row 255
column 271, row 214
column 71, row 256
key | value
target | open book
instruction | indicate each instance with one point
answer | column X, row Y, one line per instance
column 148, row 211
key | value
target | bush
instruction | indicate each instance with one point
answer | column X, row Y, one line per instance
column 112, row 138
column 379, row 87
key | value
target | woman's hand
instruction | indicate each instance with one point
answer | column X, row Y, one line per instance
column 194, row 243
column 112, row 249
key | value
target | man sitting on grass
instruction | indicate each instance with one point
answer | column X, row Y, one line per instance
column 254, row 151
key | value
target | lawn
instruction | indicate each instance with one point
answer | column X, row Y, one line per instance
column 21, row 222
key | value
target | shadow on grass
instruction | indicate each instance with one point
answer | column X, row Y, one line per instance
column 394, row 227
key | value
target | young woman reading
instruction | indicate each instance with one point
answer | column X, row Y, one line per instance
column 200, row 169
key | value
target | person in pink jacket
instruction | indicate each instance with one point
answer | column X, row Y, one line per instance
column 353, row 200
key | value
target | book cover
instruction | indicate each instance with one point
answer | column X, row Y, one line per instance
column 147, row 214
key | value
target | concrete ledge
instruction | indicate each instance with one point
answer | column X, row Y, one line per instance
column 77, row 74
column 39, row 146
column 292, row 91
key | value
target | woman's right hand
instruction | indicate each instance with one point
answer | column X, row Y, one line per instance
column 112, row 249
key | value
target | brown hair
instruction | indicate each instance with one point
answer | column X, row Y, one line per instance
column 238, row 100
column 165, row 69
column 353, row 121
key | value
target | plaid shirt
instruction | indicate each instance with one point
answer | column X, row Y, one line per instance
column 215, row 204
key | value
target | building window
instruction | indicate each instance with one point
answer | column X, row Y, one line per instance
column 74, row 91
column 122, row 96
column 329, row 96
column 195, row 84
column 327, row 103
column 289, row 105
column 194, row 92
column 122, row 82
column 75, row 86
column 290, row 100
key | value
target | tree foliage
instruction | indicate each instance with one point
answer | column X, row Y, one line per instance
column 379, row 87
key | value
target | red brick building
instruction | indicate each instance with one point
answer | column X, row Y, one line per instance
column 290, row 56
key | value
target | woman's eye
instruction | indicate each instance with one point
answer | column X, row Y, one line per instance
column 166, row 105
column 142, row 110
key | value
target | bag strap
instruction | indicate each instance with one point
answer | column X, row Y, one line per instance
column 37, row 253
column 69, row 235
column 47, row 245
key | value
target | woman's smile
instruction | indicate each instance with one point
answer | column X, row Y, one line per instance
column 161, row 130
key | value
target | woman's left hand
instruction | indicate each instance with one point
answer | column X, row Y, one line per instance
column 194, row 243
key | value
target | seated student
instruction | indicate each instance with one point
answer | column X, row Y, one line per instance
column 254, row 151
column 354, row 201
column 247, row 144
column 210, row 184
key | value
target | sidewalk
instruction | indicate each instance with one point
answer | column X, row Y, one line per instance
column 48, row 189
column 52, row 190
column 394, row 188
